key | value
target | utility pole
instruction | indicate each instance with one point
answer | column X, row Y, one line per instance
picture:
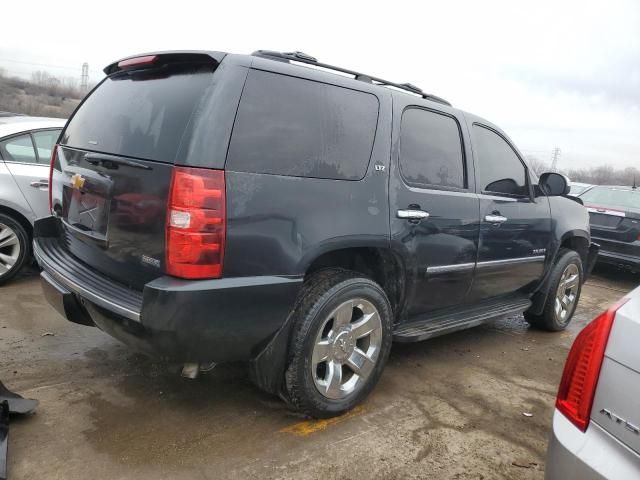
column 84, row 79
column 554, row 159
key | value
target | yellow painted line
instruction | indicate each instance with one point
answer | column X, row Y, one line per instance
column 307, row 427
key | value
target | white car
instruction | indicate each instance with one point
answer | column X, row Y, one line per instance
column 596, row 425
column 25, row 153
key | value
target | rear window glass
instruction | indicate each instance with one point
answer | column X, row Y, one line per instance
column 143, row 114
column 612, row 197
column 290, row 126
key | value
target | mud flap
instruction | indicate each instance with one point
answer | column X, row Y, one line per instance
column 594, row 248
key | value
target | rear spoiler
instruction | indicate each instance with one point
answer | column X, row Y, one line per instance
column 155, row 59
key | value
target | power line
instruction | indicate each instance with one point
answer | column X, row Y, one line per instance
column 64, row 67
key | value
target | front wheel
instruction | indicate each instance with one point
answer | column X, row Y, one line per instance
column 564, row 292
column 340, row 343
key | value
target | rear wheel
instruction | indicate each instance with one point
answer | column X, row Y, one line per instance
column 14, row 247
column 564, row 293
column 340, row 343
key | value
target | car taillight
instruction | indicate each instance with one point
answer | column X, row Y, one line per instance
column 52, row 164
column 196, row 223
column 582, row 369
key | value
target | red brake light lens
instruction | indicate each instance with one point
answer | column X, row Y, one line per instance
column 582, row 369
column 137, row 62
column 196, row 223
column 52, row 164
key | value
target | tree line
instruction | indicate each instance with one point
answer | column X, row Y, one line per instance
column 600, row 175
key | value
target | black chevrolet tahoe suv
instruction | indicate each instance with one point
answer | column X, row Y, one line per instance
column 269, row 208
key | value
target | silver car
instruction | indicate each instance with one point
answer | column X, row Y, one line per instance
column 25, row 152
column 596, row 425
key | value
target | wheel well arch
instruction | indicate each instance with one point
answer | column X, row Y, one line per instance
column 377, row 263
column 20, row 218
column 579, row 244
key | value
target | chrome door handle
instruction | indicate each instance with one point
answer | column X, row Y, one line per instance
column 495, row 218
column 412, row 214
column 39, row 184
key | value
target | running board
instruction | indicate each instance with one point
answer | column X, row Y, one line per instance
column 452, row 321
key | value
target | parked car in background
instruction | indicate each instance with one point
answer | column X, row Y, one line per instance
column 596, row 424
column 25, row 154
column 614, row 215
column 577, row 188
column 211, row 207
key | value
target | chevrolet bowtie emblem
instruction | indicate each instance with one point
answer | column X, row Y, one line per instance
column 77, row 181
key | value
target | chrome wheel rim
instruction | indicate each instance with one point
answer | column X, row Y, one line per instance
column 346, row 349
column 9, row 249
column 567, row 292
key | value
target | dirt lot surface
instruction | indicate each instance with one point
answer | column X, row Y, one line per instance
column 449, row 408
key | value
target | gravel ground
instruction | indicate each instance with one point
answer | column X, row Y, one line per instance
column 449, row 408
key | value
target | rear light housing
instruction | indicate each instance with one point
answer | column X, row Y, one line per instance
column 137, row 62
column 196, row 223
column 582, row 369
column 52, row 165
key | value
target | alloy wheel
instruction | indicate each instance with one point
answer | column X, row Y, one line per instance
column 346, row 349
column 9, row 248
column 567, row 292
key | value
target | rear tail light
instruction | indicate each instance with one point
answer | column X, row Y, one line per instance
column 52, row 165
column 196, row 223
column 582, row 370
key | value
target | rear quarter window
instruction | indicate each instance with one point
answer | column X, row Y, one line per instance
column 302, row 128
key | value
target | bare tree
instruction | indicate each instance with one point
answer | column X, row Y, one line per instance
column 537, row 165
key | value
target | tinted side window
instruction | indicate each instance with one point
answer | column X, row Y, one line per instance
column 499, row 170
column 18, row 149
column 430, row 149
column 296, row 127
column 44, row 140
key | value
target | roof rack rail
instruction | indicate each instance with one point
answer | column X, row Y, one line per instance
column 308, row 59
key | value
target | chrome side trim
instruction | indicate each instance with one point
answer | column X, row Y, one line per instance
column 511, row 261
column 79, row 289
column 458, row 267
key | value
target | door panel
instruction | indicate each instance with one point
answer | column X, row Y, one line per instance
column 515, row 229
column 27, row 158
column 427, row 174
column 512, row 251
column 33, row 181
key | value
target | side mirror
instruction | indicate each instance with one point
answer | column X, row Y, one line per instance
column 554, row 184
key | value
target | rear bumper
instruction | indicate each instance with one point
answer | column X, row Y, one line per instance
column 222, row 320
column 593, row 455
column 619, row 259
column 622, row 254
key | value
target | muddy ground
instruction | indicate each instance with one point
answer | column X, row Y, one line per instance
column 449, row 408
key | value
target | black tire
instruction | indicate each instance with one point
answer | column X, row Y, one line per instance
column 322, row 294
column 8, row 223
column 549, row 319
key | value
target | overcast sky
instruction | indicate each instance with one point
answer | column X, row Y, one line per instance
column 551, row 73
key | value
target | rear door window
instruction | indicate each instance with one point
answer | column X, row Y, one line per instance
column 44, row 141
column 296, row 127
column 498, row 170
column 140, row 114
column 18, row 149
column 431, row 149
